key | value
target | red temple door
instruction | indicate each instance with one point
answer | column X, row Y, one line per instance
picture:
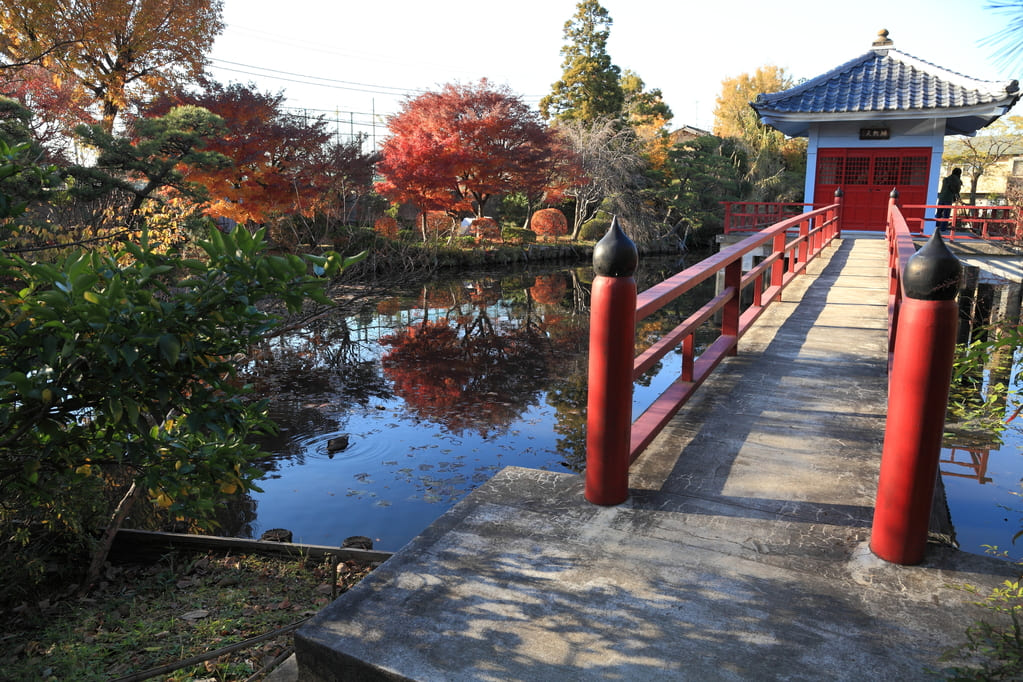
column 867, row 177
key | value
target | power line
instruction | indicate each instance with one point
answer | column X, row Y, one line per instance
column 332, row 83
column 322, row 85
column 384, row 89
column 336, row 83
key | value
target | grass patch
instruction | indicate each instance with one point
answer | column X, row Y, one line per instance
column 185, row 605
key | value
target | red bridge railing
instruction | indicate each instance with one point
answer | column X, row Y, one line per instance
column 614, row 440
column 994, row 223
column 900, row 249
column 753, row 216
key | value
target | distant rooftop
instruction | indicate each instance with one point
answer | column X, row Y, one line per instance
column 885, row 83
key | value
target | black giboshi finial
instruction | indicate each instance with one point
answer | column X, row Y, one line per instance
column 932, row 273
column 615, row 255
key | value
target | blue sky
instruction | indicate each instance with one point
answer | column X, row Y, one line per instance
column 351, row 60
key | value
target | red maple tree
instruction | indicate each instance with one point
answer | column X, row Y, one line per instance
column 455, row 149
column 284, row 162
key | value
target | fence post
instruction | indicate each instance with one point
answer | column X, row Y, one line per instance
column 838, row 213
column 917, row 399
column 894, row 277
column 612, row 353
column 804, row 243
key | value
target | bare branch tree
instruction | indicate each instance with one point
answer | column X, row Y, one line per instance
column 610, row 159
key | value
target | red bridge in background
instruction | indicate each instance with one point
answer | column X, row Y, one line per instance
column 992, row 223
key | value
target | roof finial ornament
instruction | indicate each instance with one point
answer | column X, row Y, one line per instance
column 882, row 39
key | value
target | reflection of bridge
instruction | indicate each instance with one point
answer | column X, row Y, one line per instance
column 967, row 463
column 740, row 553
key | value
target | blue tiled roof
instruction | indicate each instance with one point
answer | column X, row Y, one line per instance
column 888, row 84
column 885, row 80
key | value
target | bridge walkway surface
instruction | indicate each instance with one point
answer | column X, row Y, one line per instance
column 741, row 553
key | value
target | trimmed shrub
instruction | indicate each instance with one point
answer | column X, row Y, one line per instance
column 518, row 235
column 485, row 230
column 595, row 228
column 549, row 222
column 386, row 226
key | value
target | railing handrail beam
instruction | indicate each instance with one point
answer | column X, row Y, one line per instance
column 656, row 297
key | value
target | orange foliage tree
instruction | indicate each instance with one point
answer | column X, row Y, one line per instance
column 115, row 51
column 549, row 180
column 282, row 163
column 386, row 226
column 434, row 224
column 455, row 149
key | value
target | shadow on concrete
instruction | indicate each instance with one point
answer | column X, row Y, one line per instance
column 506, row 588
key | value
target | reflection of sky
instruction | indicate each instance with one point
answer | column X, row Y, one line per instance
column 395, row 477
column 992, row 513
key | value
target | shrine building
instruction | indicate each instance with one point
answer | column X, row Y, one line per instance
column 879, row 122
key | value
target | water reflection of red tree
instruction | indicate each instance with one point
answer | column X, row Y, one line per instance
column 466, row 373
column 549, row 289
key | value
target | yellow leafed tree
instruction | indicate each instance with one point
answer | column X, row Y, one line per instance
column 777, row 163
column 114, row 49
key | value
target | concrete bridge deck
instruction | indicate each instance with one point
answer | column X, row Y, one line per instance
column 740, row 555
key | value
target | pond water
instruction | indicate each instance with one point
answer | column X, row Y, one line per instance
column 982, row 475
column 430, row 392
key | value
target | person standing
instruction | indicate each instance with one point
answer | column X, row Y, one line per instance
column 949, row 194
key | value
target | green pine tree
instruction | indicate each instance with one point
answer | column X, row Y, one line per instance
column 590, row 86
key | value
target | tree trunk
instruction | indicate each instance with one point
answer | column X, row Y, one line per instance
column 102, row 551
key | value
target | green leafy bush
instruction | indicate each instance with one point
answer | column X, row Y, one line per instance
column 117, row 382
column 117, row 370
column 518, row 235
column 595, row 228
column 993, row 650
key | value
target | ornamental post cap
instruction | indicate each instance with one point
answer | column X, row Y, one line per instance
column 932, row 273
column 615, row 255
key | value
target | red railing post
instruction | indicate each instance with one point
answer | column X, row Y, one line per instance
column 732, row 310
column 804, row 242
column 838, row 213
column 612, row 352
column 921, row 371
